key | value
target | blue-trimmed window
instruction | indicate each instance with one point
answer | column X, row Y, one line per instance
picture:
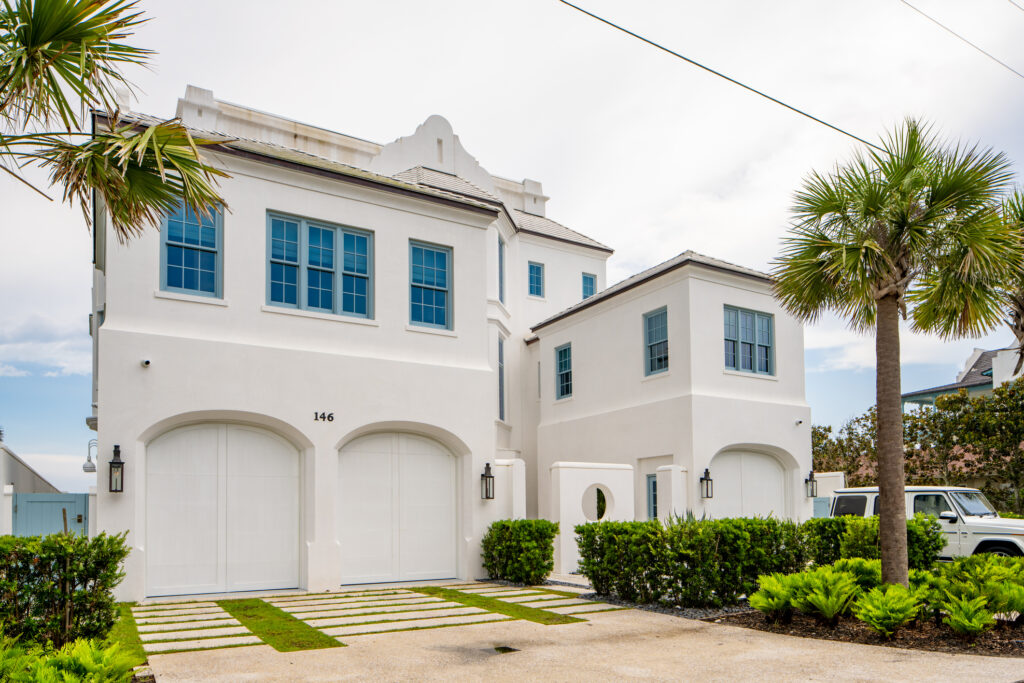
column 192, row 253
column 652, row 496
column 310, row 262
column 430, row 285
column 656, row 341
column 501, row 377
column 589, row 285
column 536, row 273
column 749, row 341
column 501, row 270
column 563, row 371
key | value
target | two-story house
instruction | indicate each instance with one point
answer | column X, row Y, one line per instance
column 313, row 387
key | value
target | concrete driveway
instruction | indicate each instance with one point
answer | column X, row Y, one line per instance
column 623, row 645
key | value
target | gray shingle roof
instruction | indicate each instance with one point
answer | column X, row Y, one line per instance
column 429, row 177
column 686, row 258
column 975, row 377
column 545, row 227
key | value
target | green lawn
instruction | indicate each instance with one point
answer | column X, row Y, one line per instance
column 126, row 635
column 275, row 627
column 508, row 608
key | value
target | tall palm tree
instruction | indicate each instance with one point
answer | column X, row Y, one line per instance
column 61, row 58
column 1013, row 292
column 915, row 225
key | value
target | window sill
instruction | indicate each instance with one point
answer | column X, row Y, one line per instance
column 534, row 297
column 502, row 423
column 501, row 306
column 751, row 375
column 560, row 401
column 656, row 375
column 333, row 317
column 431, row 330
column 191, row 298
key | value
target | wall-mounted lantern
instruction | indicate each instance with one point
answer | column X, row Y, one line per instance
column 707, row 489
column 117, row 472
column 811, row 485
column 487, row 483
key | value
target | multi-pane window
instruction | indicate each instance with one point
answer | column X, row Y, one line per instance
column 430, row 280
column 501, row 378
column 192, row 252
column 563, row 371
column 589, row 285
column 652, row 496
column 307, row 271
column 501, row 270
column 536, row 272
column 749, row 344
column 656, row 341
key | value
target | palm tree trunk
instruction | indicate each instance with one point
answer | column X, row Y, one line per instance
column 892, row 527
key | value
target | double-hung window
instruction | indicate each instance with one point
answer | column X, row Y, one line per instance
column 656, row 341
column 536, row 273
column 192, row 253
column 589, row 285
column 501, row 377
column 563, row 371
column 501, row 270
column 430, row 285
column 749, row 341
column 319, row 267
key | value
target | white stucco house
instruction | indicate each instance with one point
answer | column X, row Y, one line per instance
column 306, row 390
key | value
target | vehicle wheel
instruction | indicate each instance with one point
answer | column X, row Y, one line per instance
column 1000, row 549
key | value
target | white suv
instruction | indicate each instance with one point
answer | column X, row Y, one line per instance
column 970, row 523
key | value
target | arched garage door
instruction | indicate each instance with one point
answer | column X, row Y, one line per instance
column 747, row 485
column 222, row 511
column 396, row 509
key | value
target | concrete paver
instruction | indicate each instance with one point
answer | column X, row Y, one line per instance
column 350, row 631
column 149, row 614
column 177, row 625
column 548, row 604
column 341, row 611
column 438, row 607
column 324, row 624
column 619, row 645
column 180, row 618
column 204, row 644
column 193, row 633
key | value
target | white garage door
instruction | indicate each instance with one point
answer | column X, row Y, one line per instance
column 748, row 485
column 396, row 509
column 222, row 511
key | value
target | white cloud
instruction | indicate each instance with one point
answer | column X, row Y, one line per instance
column 11, row 371
column 61, row 470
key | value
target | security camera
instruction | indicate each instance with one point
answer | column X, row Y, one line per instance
column 145, row 363
column 799, row 422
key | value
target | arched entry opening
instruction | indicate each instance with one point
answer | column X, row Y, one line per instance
column 222, row 510
column 749, row 483
column 396, row 509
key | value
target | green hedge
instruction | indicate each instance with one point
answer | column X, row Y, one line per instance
column 59, row 588
column 686, row 562
column 520, row 550
column 832, row 538
column 822, row 537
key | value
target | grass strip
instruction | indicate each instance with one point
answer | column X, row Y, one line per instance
column 126, row 635
column 510, row 609
column 275, row 627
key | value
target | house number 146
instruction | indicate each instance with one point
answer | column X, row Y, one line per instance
column 323, row 417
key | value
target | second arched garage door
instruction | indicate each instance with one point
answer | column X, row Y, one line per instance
column 396, row 509
column 748, row 484
column 222, row 511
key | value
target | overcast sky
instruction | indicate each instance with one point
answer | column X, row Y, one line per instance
column 637, row 149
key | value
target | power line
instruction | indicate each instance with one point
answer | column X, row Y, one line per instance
column 721, row 75
column 949, row 30
column 1020, row 7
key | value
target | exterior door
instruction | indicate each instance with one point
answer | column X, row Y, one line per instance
column 396, row 509
column 39, row 514
column 222, row 511
column 748, row 485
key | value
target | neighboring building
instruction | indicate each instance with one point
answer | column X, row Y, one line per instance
column 975, row 377
column 307, row 388
column 18, row 474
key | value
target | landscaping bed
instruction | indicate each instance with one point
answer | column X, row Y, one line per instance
column 1002, row 641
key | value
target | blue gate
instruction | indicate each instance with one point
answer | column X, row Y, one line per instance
column 39, row 514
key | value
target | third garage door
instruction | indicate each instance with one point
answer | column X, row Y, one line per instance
column 396, row 509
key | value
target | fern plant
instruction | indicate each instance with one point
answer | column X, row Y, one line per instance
column 887, row 608
column 867, row 573
column 968, row 617
column 775, row 597
column 826, row 594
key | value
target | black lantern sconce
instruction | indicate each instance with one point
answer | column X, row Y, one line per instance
column 811, row 485
column 707, row 486
column 487, row 483
column 117, row 472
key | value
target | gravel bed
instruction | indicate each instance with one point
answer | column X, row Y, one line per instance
column 702, row 613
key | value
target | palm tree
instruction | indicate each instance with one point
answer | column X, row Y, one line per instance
column 1013, row 292
column 56, row 55
column 913, row 225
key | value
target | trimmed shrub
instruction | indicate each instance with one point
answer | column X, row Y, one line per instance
column 925, row 540
column 888, row 608
column 59, row 588
column 821, row 537
column 520, row 550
